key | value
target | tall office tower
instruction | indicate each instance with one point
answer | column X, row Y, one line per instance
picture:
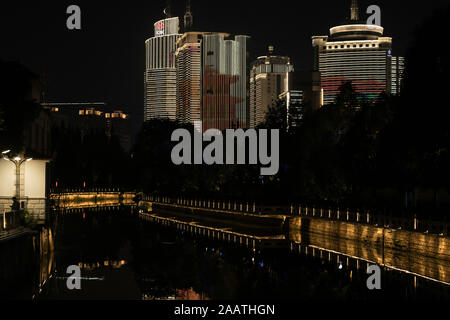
column 397, row 73
column 189, row 77
column 357, row 52
column 303, row 95
column 269, row 77
column 160, row 74
column 224, row 94
column 294, row 101
column 218, row 67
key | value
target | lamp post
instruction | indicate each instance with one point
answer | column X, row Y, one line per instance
column 18, row 161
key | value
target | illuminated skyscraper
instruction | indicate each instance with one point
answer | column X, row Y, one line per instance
column 212, row 80
column 269, row 78
column 357, row 52
column 303, row 95
column 397, row 73
column 160, row 74
column 189, row 77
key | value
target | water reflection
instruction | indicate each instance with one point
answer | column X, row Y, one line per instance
column 124, row 257
column 26, row 264
column 401, row 260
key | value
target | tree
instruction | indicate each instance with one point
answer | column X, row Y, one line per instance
column 17, row 107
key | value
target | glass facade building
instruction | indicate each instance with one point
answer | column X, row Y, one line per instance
column 212, row 80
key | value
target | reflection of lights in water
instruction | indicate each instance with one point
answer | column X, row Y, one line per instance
column 261, row 264
column 253, row 259
column 340, row 265
column 213, row 249
column 107, row 263
column 221, row 253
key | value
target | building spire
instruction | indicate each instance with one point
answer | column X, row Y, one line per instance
column 354, row 11
column 188, row 18
column 168, row 9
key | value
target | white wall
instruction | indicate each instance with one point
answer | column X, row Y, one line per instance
column 7, row 179
column 35, row 178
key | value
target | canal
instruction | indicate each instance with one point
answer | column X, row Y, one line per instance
column 124, row 257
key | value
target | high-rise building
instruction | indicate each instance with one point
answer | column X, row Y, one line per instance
column 293, row 100
column 160, row 73
column 397, row 73
column 303, row 95
column 269, row 77
column 212, row 80
column 356, row 52
column 189, row 77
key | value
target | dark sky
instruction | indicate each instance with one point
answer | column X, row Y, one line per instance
column 105, row 60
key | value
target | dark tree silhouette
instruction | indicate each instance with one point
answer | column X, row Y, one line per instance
column 17, row 107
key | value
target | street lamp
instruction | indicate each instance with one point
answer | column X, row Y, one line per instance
column 18, row 161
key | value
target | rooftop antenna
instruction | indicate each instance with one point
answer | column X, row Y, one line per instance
column 168, row 9
column 354, row 11
column 188, row 18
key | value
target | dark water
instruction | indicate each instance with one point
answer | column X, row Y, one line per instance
column 122, row 257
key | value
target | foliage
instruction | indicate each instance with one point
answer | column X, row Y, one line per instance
column 17, row 107
column 94, row 159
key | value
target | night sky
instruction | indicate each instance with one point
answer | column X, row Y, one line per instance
column 105, row 60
